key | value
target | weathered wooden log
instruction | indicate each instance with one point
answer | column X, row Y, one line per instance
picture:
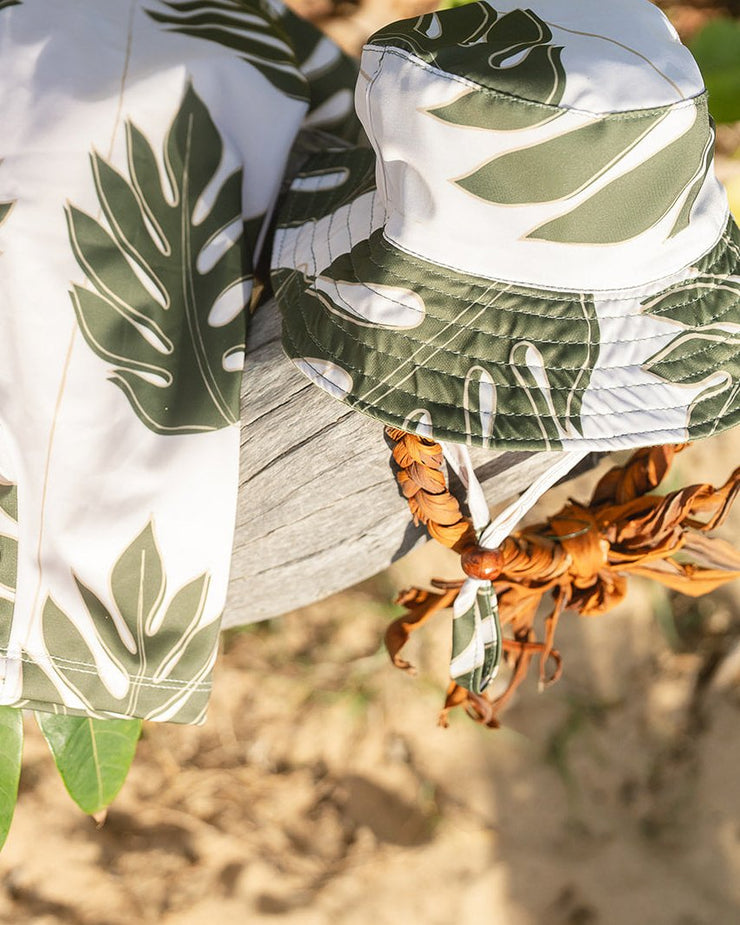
column 318, row 508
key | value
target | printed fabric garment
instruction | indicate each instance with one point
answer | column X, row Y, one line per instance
column 142, row 147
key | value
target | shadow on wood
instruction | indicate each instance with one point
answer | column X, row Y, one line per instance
column 318, row 508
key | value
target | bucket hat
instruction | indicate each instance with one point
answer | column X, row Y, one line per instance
column 536, row 253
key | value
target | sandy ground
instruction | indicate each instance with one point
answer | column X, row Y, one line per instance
column 321, row 790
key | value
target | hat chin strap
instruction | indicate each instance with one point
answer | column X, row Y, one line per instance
column 476, row 631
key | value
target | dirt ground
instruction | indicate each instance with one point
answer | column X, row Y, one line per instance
column 322, row 792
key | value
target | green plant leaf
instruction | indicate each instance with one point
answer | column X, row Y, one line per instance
column 717, row 51
column 247, row 28
column 176, row 341
column 11, row 749
column 93, row 756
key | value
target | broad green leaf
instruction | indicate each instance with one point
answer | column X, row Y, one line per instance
column 519, row 58
column 11, row 750
column 160, row 655
column 174, row 341
column 331, row 83
column 9, row 499
column 138, row 580
column 561, row 167
column 93, row 756
column 5, row 207
column 609, row 215
column 477, row 643
column 497, row 113
column 338, row 179
column 461, row 356
column 717, row 51
column 705, row 351
column 246, row 28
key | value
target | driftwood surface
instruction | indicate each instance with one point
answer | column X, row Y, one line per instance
column 318, row 508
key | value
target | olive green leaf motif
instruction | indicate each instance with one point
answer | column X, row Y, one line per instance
column 514, row 56
column 477, row 642
column 246, row 27
column 564, row 167
column 5, row 207
column 489, row 372
column 4, row 3
column 706, row 349
column 8, row 556
column 519, row 60
column 331, row 76
column 167, row 285
column 511, row 53
column 158, row 654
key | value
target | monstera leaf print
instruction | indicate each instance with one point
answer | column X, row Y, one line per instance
column 167, row 289
column 8, row 555
column 5, row 207
column 244, row 26
column 476, row 642
column 706, row 349
column 331, row 77
column 157, row 655
column 486, row 370
column 519, row 58
column 568, row 165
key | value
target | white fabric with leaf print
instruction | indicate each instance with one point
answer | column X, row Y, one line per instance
column 143, row 145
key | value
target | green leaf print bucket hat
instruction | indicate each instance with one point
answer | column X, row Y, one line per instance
column 536, row 253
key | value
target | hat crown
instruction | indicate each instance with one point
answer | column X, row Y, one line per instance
column 567, row 147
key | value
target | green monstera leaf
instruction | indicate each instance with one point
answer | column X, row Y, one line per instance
column 5, row 207
column 246, row 27
column 167, row 287
column 331, row 76
column 564, row 167
column 8, row 556
column 519, row 59
column 156, row 653
column 705, row 351
column 463, row 349
column 477, row 643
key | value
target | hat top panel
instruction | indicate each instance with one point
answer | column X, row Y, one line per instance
column 563, row 53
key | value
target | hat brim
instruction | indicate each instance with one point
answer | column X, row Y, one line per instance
column 493, row 363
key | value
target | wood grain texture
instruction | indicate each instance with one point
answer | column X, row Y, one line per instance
column 318, row 507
